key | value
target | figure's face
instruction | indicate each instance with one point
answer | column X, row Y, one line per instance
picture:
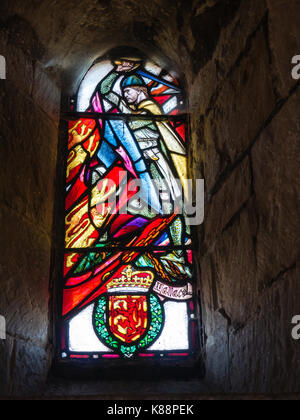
column 131, row 95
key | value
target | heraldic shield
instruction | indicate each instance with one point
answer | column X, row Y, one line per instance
column 129, row 317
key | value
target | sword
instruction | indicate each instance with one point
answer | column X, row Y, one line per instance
column 156, row 79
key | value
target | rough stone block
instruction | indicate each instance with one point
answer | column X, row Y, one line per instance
column 237, row 122
column 222, row 207
column 30, row 370
column 217, row 357
column 6, row 354
column 24, row 273
column 276, row 162
column 233, row 41
column 46, row 94
column 28, row 155
column 19, row 65
column 234, row 265
column 284, row 41
column 263, row 356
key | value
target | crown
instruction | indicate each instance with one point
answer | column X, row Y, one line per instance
column 131, row 281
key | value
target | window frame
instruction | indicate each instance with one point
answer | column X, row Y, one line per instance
column 176, row 367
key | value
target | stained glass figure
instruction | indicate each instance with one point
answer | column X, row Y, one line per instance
column 128, row 264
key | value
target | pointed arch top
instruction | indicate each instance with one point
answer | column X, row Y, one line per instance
column 162, row 84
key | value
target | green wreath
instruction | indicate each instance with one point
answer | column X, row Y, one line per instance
column 155, row 328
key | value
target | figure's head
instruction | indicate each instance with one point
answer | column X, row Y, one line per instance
column 133, row 87
column 131, row 95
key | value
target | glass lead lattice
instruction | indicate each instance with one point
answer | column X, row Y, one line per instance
column 128, row 263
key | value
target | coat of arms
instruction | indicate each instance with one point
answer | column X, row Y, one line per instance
column 129, row 317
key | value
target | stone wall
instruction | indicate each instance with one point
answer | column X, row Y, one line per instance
column 235, row 56
column 248, row 132
column 29, row 113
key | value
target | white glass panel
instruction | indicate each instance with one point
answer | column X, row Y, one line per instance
column 169, row 78
column 117, row 87
column 175, row 332
column 90, row 82
column 107, row 106
column 82, row 335
column 152, row 68
column 170, row 105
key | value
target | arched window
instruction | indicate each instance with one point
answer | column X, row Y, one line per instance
column 128, row 289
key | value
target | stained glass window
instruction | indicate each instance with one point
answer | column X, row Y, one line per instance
column 127, row 288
